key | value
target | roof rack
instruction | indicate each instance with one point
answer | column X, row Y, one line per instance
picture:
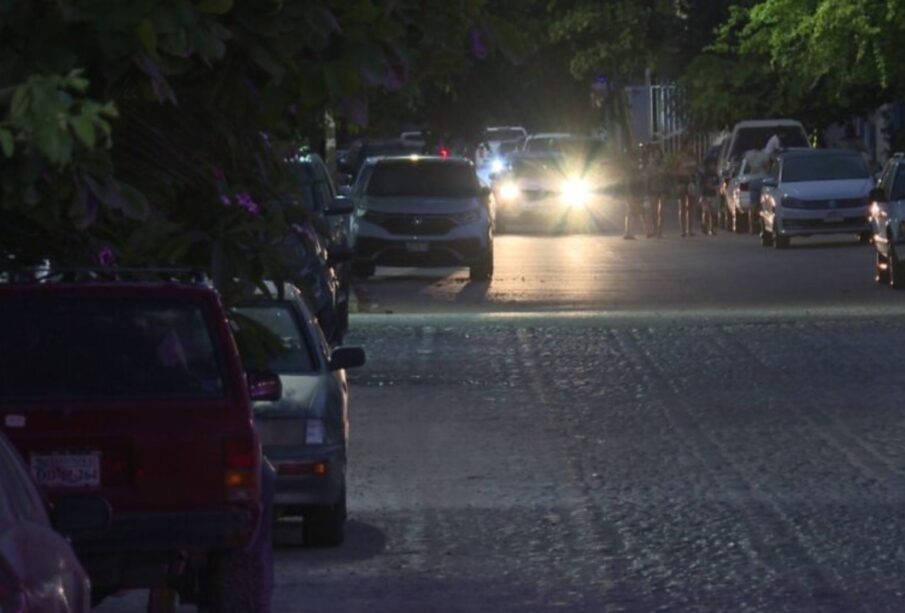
column 44, row 273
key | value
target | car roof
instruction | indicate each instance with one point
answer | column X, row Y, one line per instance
column 552, row 135
column 761, row 123
column 802, row 151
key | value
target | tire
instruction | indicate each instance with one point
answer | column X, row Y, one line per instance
column 741, row 222
column 325, row 526
column 895, row 270
column 780, row 242
column 483, row 271
column 241, row 580
column 881, row 269
column 363, row 270
column 766, row 238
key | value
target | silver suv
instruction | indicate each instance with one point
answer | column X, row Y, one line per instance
column 422, row 212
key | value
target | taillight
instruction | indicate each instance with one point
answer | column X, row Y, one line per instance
column 444, row 152
column 242, row 458
column 744, row 186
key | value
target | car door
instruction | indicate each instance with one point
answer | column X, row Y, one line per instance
column 36, row 563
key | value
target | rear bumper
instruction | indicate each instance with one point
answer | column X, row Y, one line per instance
column 306, row 490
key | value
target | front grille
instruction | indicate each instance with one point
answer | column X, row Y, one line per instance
column 412, row 225
column 815, row 224
column 823, row 205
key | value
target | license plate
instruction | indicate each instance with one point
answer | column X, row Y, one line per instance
column 417, row 247
column 834, row 218
column 67, row 469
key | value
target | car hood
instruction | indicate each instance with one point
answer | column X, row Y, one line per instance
column 301, row 396
column 419, row 206
column 820, row 190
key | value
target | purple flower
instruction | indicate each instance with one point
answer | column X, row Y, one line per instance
column 105, row 257
column 478, row 48
column 251, row 207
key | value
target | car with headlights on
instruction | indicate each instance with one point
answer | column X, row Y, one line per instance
column 422, row 211
column 815, row 192
column 304, row 433
column 888, row 223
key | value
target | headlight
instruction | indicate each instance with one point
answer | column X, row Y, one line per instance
column 576, row 192
column 791, row 203
column 509, row 191
column 497, row 166
column 467, row 216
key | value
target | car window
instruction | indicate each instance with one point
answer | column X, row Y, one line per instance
column 292, row 354
column 56, row 347
column 898, row 186
column 504, row 134
column 19, row 498
column 800, row 168
column 423, row 178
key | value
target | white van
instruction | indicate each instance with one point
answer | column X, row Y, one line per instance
column 748, row 135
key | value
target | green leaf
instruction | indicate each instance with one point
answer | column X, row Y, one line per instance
column 6, row 143
column 83, row 127
column 135, row 204
column 215, row 7
column 147, row 34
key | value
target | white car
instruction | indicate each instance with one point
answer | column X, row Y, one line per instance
column 887, row 219
column 545, row 142
column 814, row 192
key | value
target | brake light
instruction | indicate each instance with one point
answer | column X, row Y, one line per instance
column 444, row 152
column 319, row 469
column 745, row 186
column 242, row 459
column 241, row 453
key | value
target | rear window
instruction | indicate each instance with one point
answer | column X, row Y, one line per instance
column 423, row 178
column 273, row 340
column 840, row 167
column 84, row 347
column 747, row 139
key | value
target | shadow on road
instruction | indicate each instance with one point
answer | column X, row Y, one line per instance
column 808, row 245
column 363, row 542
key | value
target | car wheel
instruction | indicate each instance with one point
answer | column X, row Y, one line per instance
column 881, row 269
column 779, row 242
column 483, row 271
column 241, row 580
column 363, row 270
column 895, row 271
column 325, row 526
column 740, row 222
column 766, row 238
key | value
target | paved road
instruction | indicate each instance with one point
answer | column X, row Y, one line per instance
column 675, row 425
column 592, row 272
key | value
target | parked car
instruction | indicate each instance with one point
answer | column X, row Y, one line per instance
column 305, row 432
column 887, row 218
column 755, row 134
column 544, row 142
column 815, row 192
column 329, row 240
column 38, row 569
column 135, row 392
column 422, row 212
column 743, row 198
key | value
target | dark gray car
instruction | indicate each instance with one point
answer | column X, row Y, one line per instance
column 304, row 433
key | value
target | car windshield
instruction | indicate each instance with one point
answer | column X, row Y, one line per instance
column 106, row 348
column 423, row 179
column 273, row 340
column 757, row 138
column 837, row 167
column 535, row 166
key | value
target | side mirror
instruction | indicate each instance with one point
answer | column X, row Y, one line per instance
column 339, row 254
column 74, row 514
column 341, row 205
column 264, row 386
column 347, row 357
column 344, row 190
column 877, row 195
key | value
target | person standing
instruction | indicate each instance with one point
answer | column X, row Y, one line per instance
column 632, row 192
column 684, row 177
column 655, row 184
column 710, row 190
